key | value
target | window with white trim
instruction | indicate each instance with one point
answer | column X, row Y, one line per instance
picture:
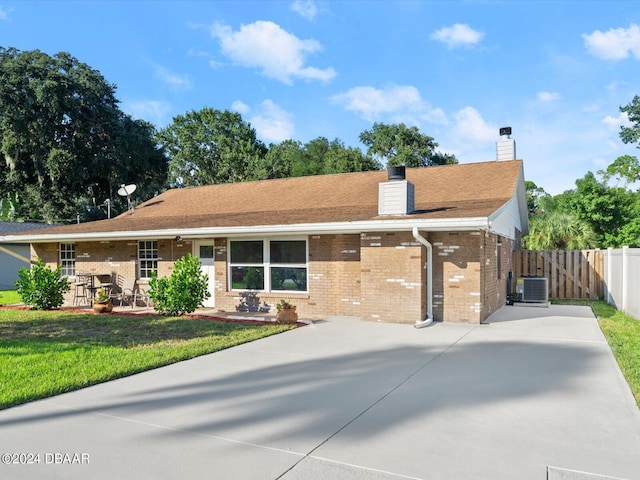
column 67, row 259
column 147, row 258
column 268, row 265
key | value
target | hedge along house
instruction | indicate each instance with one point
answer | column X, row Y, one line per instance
column 434, row 244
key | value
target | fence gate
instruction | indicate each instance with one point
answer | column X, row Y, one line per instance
column 572, row 274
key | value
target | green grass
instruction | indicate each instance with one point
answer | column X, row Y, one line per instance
column 623, row 335
column 8, row 297
column 47, row 353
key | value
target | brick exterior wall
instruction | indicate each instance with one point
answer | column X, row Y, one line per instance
column 393, row 277
column 456, row 276
column 333, row 279
column 378, row 276
column 466, row 284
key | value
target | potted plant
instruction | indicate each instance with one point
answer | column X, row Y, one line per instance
column 286, row 312
column 102, row 301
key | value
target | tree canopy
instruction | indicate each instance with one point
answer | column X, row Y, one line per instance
column 398, row 144
column 602, row 211
column 631, row 134
column 65, row 143
column 316, row 157
column 211, row 146
column 558, row 230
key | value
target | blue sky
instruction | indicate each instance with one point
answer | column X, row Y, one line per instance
column 555, row 71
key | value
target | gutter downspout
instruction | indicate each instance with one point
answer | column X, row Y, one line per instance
column 429, row 320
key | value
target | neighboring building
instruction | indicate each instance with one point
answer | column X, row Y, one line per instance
column 346, row 244
column 14, row 256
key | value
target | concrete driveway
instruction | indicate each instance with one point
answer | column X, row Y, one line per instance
column 345, row 399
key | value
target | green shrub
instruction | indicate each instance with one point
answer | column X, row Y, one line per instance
column 41, row 287
column 183, row 291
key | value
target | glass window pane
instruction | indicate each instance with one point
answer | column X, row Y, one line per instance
column 288, row 251
column 206, row 251
column 247, row 252
column 283, row 278
column 247, row 278
column 68, row 259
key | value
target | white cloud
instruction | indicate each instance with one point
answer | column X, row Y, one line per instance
column 469, row 125
column 4, row 14
column 546, row 97
column 305, row 8
column 240, row 107
column 174, row 80
column 276, row 52
column 215, row 64
column 459, row 35
column 154, row 111
column 272, row 123
column 614, row 123
column 371, row 103
column 614, row 44
column 192, row 52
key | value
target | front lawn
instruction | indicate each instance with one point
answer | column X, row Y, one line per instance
column 44, row 353
column 623, row 334
column 9, row 297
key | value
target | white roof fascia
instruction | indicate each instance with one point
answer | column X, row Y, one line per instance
column 404, row 224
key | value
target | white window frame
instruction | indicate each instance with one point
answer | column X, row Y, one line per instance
column 266, row 262
column 147, row 246
column 67, row 254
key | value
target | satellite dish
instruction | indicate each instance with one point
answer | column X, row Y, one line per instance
column 126, row 191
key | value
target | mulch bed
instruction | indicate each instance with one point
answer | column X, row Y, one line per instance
column 150, row 314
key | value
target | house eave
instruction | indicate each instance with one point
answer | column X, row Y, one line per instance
column 397, row 224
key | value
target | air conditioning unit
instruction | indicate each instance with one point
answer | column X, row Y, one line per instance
column 532, row 289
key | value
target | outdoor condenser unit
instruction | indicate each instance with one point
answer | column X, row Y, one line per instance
column 532, row 289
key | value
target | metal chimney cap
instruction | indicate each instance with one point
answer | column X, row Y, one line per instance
column 396, row 173
column 505, row 131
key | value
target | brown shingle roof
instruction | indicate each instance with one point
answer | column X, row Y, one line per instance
column 451, row 191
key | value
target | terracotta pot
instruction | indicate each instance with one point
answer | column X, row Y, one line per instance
column 287, row 315
column 103, row 307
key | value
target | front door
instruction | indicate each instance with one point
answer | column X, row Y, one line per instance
column 204, row 251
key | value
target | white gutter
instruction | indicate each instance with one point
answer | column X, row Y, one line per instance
column 429, row 320
column 14, row 254
column 403, row 224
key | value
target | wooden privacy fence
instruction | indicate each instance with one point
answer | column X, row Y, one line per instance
column 571, row 274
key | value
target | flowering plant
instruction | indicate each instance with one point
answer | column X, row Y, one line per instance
column 102, row 295
column 284, row 305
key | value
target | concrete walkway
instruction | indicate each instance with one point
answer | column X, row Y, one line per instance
column 345, row 399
